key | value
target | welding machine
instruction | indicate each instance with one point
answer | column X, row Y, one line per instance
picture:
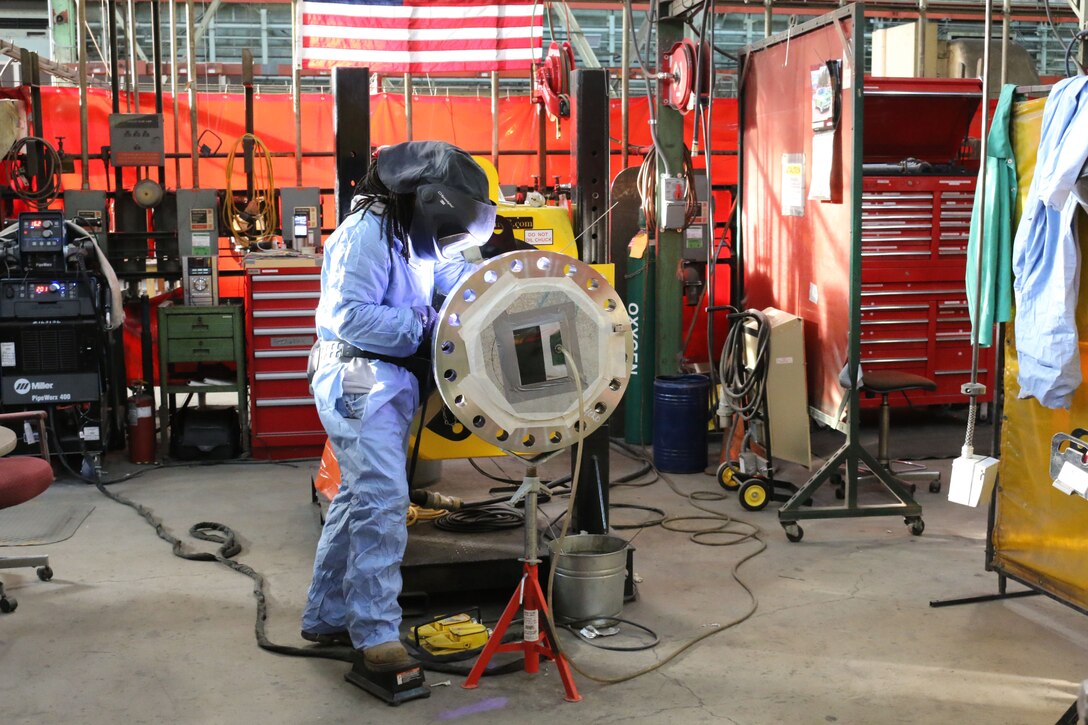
column 53, row 329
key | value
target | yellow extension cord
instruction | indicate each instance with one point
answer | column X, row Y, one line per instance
column 418, row 513
column 262, row 207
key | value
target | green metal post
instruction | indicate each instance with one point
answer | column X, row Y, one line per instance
column 670, row 139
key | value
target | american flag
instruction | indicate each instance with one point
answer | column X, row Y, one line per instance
column 421, row 36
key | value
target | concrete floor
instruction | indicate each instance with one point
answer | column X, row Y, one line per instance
column 127, row 633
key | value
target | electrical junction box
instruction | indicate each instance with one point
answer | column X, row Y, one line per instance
column 698, row 240
column 136, row 139
column 972, row 479
column 787, row 386
column 300, row 217
column 198, row 223
column 93, row 209
column 671, row 202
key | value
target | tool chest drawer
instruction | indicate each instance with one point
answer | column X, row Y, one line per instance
column 914, row 315
column 200, row 325
column 909, row 221
column 200, row 350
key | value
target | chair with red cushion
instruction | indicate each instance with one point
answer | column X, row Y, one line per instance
column 21, row 479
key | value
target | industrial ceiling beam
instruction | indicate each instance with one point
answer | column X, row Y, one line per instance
column 206, row 19
column 57, row 70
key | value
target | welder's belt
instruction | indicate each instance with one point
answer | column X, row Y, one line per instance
column 338, row 350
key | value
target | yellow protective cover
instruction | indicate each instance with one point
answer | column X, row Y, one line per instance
column 1040, row 534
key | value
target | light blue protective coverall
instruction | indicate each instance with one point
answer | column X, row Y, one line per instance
column 367, row 296
column 1045, row 255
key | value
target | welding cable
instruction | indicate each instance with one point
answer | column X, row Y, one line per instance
column 725, row 536
column 51, row 183
column 254, row 222
column 659, row 516
column 743, row 387
column 229, row 547
column 481, row 519
column 1081, row 37
column 576, row 627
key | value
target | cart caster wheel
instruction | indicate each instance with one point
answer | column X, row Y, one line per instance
column 935, row 487
column 794, row 532
column 8, row 605
column 754, row 495
column 912, row 488
column 840, row 486
column 45, row 573
column 729, row 478
column 917, row 526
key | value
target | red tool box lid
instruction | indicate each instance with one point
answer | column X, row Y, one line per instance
column 921, row 118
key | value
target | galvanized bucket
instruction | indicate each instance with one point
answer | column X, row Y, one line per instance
column 589, row 577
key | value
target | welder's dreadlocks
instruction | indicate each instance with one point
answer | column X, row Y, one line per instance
column 396, row 216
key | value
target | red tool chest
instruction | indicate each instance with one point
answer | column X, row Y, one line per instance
column 914, row 239
column 280, row 305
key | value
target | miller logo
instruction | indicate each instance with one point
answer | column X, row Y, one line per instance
column 22, row 386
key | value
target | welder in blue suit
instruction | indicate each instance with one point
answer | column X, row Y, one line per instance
column 419, row 206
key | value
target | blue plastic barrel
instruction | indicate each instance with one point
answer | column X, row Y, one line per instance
column 680, row 410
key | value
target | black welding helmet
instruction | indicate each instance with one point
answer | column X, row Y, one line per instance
column 452, row 209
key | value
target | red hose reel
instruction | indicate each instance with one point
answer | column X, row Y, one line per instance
column 552, row 80
column 680, row 66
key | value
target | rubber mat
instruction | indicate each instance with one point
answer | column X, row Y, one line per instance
column 41, row 522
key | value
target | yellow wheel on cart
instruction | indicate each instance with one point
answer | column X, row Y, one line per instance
column 754, row 495
column 729, row 477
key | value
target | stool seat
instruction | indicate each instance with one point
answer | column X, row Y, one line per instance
column 23, row 478
column 882, row 382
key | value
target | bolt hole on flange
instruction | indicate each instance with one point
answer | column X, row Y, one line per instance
column 447, row 346
column 450, row 375
column 479, row 421
column 529, row 441
column 490, row 276
column 501, row 435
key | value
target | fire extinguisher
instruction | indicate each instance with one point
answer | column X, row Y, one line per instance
column 141, row 424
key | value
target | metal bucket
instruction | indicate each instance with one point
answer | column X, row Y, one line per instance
column 589, row 577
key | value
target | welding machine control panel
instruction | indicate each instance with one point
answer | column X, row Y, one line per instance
column 41, row 231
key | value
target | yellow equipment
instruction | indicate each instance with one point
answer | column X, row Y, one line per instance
column 451, row 635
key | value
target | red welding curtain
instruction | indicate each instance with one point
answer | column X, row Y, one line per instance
column 461, row 120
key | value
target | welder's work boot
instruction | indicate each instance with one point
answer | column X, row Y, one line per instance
column 328, row 639
column 387, row 671
column 388, row 656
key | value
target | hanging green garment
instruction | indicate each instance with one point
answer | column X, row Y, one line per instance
column 1000, row 194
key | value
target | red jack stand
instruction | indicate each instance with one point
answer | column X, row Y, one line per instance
column 539, row 639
